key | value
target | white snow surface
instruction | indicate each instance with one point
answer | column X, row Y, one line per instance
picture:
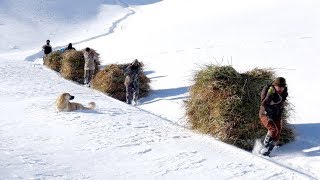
column 173, row 38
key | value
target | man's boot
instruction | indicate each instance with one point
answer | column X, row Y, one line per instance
column 268, row 144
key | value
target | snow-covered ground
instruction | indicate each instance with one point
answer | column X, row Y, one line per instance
column 173, row 38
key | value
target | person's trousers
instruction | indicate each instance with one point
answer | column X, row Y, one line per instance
column 132, row 92
column 44, row 57
column 274, row 127
column 88, row 74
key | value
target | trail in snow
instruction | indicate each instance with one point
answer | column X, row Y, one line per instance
column 114, row 24
column 111, row 30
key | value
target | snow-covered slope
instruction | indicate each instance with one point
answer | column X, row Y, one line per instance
column 115, row 141
column 172, row 38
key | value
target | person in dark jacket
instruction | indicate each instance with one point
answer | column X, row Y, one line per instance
column 47, row 49
column 270, row 113
column 132, row 81
column 70, row 47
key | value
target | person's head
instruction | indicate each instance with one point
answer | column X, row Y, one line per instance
column 279, row 84
column 70, row 46
column 87, row 49
column 48, row 41
column 135, row 62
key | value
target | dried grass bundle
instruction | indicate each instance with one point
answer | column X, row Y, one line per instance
column 225, row 104
column 111, row 81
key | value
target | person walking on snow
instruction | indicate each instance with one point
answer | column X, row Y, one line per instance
column 271, row 108
column 132, row 81
column 89, row 65
column 47, row 49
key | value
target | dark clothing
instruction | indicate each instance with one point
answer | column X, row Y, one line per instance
column 132, row 70
column 132, row 92
column 47, row 49
column 132, row 82
column 270, row 116
column 272, row 105
column 70, row 47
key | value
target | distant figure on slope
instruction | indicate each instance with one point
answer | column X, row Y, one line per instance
column 89, row 65
column 132, row 81
column 70, row 47
column 271, row 108
column 47, row 49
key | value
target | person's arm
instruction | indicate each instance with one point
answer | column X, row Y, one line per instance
column 127, row 70
column 266, row 101
column 284, row 95
column 268, row 97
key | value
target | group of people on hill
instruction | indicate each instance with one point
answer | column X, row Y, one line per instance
column 131, row 72
column 273, row 96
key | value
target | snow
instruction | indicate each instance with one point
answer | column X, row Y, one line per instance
column 152, row 140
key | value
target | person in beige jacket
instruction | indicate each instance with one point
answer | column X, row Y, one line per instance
column 89, row 65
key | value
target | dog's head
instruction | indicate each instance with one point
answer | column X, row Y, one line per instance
column 63, row 101
column 67, row 96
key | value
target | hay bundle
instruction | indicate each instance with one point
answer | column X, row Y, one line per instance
column 53, row 61
column 72, row 66
column 225, row 104
column 111, row 81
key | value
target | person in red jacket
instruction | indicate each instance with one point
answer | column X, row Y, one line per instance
column 270, row 113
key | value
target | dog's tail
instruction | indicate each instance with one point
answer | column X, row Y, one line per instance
column 92, row 105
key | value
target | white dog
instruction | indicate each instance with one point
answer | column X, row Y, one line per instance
column 63, row 104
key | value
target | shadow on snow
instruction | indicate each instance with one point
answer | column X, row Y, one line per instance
column 166, row 94
column 307, row 141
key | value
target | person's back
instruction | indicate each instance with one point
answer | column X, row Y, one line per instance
column 89, row 65
column 89, row 60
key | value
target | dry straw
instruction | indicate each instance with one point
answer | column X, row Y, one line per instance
column 53, row 61
column 111, row 81
column 225, row 104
